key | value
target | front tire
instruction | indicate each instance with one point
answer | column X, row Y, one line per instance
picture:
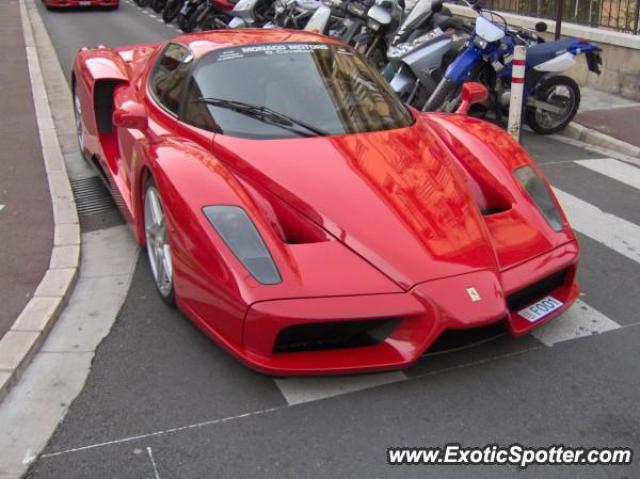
column 442, row 96
column 187, row 23
column 171, row 10
column 157, row 243
column 77, row 115
column 157, row 5
column 559, row 91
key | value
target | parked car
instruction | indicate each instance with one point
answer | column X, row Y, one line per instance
column 107, row 4
column 302, row 216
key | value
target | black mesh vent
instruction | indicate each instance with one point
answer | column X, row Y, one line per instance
column 333, row 335
column 534, row 292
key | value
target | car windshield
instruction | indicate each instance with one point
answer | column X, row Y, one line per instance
column 299, row 89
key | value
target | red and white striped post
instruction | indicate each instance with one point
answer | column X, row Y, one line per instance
column 517, row 91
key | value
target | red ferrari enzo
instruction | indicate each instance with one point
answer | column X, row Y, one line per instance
column 111, row 4
column 302, row 216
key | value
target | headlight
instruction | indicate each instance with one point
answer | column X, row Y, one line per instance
column 241, row 236
column 480, row 42
column 541, row 196
column 373, row 25
column 401, row 49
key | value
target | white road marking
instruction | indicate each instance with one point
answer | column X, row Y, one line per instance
column 153, row 463
column 579, row 321
column 616, row 169
column 301, row 390
column 161, row 433
column 620, row 235
column 1, row 207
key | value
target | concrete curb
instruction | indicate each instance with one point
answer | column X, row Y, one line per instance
column 592, row 137
column 19, row 345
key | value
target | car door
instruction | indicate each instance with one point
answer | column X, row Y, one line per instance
column 165, row 85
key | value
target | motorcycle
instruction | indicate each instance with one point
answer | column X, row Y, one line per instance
column 364, row 24
column 186, row 16
column 382, row 20
column 252, row 13
column 292, row 13
column 171, row 10
column 426, row 42
column 205, row 15
column 551, row 100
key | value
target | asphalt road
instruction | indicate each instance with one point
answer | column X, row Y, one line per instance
column 163, row 402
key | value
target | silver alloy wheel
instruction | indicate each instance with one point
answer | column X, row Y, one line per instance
column 158, row 247
column 77, row 110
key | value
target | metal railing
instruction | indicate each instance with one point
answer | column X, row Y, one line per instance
column 621, row 15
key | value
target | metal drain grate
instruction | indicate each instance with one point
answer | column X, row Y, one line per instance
column 92, row 197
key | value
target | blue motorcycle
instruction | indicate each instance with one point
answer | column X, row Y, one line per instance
column 551, row 100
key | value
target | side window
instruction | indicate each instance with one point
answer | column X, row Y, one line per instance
column 169, row 75
column 195, row 112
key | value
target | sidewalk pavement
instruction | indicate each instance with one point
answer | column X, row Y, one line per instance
column 610, row 115
column 26, row 222
column 40, row 234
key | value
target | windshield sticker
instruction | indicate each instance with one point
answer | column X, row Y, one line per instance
column 268, row 49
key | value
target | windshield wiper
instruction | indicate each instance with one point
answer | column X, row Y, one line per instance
column 264, row 114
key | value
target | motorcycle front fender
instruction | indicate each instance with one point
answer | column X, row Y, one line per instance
column 403, row 81
column 318, row 21
column 459, row 69
column 237, row 22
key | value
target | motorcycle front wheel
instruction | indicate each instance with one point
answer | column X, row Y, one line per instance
column 187, row 23
column 443, row 97
column 562, row 95
column 171, row 10
column 157, row 5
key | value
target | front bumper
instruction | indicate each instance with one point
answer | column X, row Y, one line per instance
column 404, row 325
column 81, row 3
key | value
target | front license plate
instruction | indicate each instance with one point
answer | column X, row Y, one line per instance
column 85, row 3
column 540, row 309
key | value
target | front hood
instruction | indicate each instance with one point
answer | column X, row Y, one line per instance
column 393, row 197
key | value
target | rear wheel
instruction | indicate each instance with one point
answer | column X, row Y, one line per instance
column 77, row 114
column 157, row 243
column 562, row 95
column 142, row 3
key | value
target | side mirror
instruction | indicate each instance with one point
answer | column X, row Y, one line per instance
column 472, row 92
column 541, row 27
column 131, row 115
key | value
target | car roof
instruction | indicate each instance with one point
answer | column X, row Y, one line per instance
column 201, row 43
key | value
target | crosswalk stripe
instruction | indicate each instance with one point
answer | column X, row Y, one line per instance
column 579, row 321
column 616, row 169
column 616, row 233
column 1, row 207
column 300, row 390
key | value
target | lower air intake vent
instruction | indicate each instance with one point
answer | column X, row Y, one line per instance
column 536, row 291
column 333, row 335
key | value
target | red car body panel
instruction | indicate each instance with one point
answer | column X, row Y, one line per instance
column 387, row 226
column 81, row 3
